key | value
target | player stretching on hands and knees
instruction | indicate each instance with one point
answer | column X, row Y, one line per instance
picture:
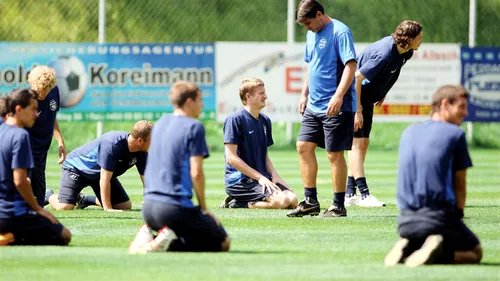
column 98, row 164
column 328, row 103
column 250, row 177
column 174, row 169
column 42, row 80
column 22, row 220
column 379, row 66
column 431, row 189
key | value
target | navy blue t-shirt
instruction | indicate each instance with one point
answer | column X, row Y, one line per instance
column 174, row 140
column 381, row 64
column 15, row 153
column 429, row 154
column 110, row 152
column 327, row 53
column 42, row 131
column 253, row 137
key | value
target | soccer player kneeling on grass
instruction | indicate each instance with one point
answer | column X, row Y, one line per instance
column 173, row 170
column 250, row 178
column 22, row 220
column 433, row 158
column 98, row 164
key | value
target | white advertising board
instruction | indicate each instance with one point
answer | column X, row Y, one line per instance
column 281, row 67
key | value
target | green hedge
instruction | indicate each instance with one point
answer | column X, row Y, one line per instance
column 384, row 136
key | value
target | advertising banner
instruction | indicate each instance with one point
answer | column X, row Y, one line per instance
column 481, row 76
column 113, row 82
column 281, row 66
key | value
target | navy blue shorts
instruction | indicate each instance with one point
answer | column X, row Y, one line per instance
column 367, row 121
column 250, row 190
column 332, row 133
column 424, row 222
column 38, row 184
column 72, row 183
column 32, row 229
column 199, row 231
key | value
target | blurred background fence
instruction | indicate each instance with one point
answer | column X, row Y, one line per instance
column 167, row 21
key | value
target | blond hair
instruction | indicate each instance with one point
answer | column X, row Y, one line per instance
column 247, row 86
column 142, row 129
column 42, row 77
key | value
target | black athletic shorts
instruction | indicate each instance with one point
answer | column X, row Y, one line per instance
column 32, row 229
column 424, row 222
column 367, row 121
column 250, row 190
column 332, row 133
column 72, row 184
column 199, row 231
column 38, row 183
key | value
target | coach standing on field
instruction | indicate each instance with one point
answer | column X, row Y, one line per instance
column 42, row 80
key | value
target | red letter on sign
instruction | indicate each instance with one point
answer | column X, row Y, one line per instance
column 291, row 80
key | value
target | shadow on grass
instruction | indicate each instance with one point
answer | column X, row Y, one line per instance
column 101, row 217
column 256, row 252
column 494, row 264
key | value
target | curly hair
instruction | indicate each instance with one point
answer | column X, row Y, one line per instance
column 42, row 77
column 406, row 32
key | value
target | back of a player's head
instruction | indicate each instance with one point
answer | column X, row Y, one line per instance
column 406, row 32
column 181, row 91
column 142, row 129
column 41, row 78
column 448, row 92
column 308, row 9
column 247, row 86
column 3, row 107
column 19, row 97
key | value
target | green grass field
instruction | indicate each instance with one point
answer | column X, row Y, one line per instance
column 266, row 245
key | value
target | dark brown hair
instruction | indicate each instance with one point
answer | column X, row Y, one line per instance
column 307, row 9
column 181, row 91
column 448, row 92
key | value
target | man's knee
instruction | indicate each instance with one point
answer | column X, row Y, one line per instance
column 126, row 206
column 226, row 244
column 478, row 252
column 294, row 200
column 305, row 147
column 335, row 156
column 63, row 206
column 66, row 236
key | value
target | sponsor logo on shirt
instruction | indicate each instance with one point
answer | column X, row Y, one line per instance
column 53, row 105
column 322, row 43
column 392, row 71
column 250, row 132
column 133, row 161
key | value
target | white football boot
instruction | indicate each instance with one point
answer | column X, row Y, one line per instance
column 161, row 243
column 352, row 201
column 370, row 201
column 143, row 237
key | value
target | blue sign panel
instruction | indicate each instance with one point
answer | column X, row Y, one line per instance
column 481, row 76
column 113, row 81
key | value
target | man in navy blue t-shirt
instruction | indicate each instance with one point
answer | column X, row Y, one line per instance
column 98, row 164
column 431, row 188
column 379, row 66
column 173, row 170
column 22, row 220
column 328, row 102
column 251, row 180
column 42, row 80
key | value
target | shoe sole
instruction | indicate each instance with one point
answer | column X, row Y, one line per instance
column 395, row 256
column 427, row 253
column 299, row 215
column 334, row 215
column 6, row 239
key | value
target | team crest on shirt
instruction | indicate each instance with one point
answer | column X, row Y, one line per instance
column 53, row 105
column 133, row 161
column 322, row 43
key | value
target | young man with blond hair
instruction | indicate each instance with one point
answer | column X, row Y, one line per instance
column 42, row 80
column 22, row 220
column 250, row 177
column 379, row 66
column 431, row 188
column 98, row 164
column 174, row 169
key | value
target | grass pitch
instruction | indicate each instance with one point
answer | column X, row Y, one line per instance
column 266, row 245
